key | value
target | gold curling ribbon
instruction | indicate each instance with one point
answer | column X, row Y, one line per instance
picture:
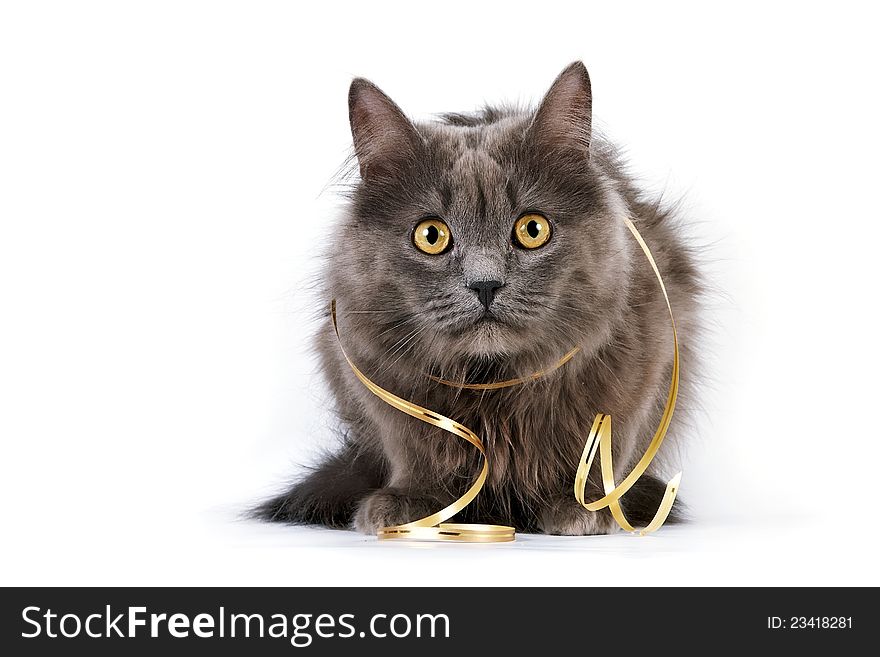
column 600, row 437
column 434, row 527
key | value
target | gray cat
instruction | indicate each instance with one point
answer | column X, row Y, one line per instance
column 483, row 247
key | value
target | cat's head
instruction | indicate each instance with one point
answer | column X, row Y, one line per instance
column 488, row 236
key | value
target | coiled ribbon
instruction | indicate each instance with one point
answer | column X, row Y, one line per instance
column 435, row 527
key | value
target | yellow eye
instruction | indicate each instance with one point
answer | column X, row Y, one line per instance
column 432, row 236
column 531, row 231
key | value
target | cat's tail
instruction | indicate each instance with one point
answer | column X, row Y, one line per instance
column 329, row 494
column 642, row 500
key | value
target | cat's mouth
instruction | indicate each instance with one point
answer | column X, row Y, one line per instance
column 488, row 317
column 490, row 335
column 481, row 334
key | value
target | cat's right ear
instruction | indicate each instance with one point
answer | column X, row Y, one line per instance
column 384, row 139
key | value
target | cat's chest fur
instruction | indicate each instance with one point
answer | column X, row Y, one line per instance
column 533, row 432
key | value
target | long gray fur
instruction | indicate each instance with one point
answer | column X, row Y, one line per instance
column 404, row 314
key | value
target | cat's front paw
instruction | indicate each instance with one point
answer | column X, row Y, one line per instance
column 566, row 517
column 387, row 507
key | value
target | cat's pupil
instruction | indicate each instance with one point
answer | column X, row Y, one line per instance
column 432, row 234
column 533, row 228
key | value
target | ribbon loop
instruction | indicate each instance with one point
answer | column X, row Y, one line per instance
column 600, row 437
column 432, row 527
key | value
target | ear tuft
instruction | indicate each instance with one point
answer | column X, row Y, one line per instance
column 384, row 139
column 564, row 118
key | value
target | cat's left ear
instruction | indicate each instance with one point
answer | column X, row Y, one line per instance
column 563, row 120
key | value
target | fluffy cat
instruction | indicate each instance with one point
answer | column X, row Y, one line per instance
column 486, row 308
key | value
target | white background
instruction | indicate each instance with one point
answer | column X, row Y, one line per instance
column 164, row 173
